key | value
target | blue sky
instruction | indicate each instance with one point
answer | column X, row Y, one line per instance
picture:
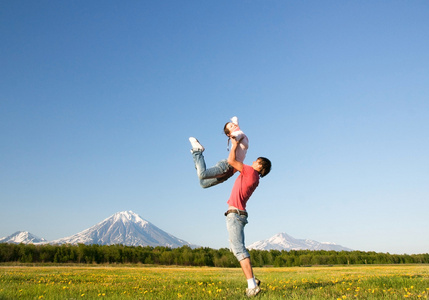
column 98, row 100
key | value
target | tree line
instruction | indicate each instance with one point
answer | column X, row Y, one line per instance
column 186, row 256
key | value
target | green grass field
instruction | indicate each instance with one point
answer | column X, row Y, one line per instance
column 134, row 282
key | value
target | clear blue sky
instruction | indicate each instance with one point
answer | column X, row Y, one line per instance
column 98, row 99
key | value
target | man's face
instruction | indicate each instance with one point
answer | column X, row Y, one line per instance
column 257, row 165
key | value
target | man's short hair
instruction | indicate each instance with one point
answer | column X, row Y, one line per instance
column 266, row 166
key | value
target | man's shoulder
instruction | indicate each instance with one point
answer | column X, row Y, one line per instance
column 247, row 167
column 248, row 170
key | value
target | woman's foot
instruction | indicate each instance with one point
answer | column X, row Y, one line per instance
column 196, row 146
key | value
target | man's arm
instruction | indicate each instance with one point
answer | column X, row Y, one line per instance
column 231, row 158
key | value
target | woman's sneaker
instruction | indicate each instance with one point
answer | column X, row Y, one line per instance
column 196, row 146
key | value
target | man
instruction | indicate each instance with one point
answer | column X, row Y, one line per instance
column 236, row 216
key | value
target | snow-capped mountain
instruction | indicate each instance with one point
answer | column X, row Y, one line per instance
column 23, row 237
column 282, row 241
column 125, row 228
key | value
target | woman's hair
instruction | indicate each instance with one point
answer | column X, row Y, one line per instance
column 226, row 130
column 266, row 166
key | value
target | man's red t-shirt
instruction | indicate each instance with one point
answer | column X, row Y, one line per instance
column 243, row 187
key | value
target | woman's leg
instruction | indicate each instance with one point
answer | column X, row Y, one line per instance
column 214, row 175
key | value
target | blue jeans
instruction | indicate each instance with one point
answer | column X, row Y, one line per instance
column 235, row 226
column 213, row 176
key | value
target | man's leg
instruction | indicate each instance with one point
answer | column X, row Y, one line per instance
column 246, row 266
column 252, row 283
column 235, row 226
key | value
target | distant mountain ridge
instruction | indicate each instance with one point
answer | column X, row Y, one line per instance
column 283, row 241
column 125, row 228
column 23, row 237
column 128, row 228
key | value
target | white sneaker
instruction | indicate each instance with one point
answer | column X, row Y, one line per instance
column 196, row 144
column 253, row 292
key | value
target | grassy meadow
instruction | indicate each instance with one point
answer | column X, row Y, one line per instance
column 141, row 282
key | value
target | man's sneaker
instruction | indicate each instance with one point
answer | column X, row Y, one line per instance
column 196, row 145
column 258, row 282
column 253, row 292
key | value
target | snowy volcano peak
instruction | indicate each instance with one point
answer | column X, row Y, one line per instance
column 23, row 237
column 283, row 241
column 280, row 237
column 126, row 228
column 126, row 217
